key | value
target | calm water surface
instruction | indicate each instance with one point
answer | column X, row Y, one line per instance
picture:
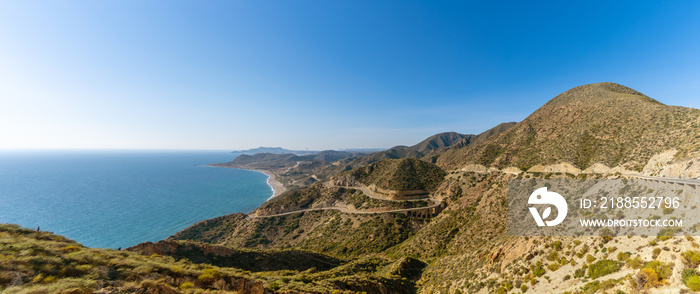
column 122, row 198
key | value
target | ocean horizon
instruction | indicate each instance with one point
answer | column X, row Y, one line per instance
column 119, row 198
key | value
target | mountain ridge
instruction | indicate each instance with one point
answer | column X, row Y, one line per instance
column 596, row 123
column 273, row 150
column 464, row 246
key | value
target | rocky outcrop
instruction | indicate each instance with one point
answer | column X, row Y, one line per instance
column 663, row 165
column 512, row 170
column 563, row 167
column 659, row 162
column 599, row 168
column 685, row 169
column 344, row 180
column 477, row 168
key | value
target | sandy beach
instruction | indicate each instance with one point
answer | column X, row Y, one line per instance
column 273, row 182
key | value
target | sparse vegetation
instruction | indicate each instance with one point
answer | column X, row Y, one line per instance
column 690, row 279
column 400, row 174
column 628, row 133
column 466, row 247
column 41, row 262
column 603, row 267
column 691, row 258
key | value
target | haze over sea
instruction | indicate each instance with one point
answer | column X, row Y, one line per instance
column 122, row 198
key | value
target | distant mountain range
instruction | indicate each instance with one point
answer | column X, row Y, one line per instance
column 274, row 150
column 280, row 150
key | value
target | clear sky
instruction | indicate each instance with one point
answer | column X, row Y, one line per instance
column 320, row 74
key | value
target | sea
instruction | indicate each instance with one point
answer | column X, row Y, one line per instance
column 119, row 198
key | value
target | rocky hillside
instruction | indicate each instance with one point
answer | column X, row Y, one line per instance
column 41, row 262
column 398, row 174
column 341, row 235
column 441, row 140
column 427, row 150
column 602, row 123
column 468, row 250
column 319, row 196
column 462, row 248
column 466, row 247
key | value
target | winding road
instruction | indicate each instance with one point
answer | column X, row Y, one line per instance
column 437, row 204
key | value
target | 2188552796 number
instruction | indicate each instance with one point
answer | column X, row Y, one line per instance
column 639, row 202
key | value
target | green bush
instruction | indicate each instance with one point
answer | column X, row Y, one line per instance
column 553, row 267
column 656, row 273
column 538, row 271
column 635, row 262
column 556, row 245
column 622, row 256
column 602, row 268
column 687, row 273
column 691, row 258
column 663, row 269
column 208, row 276
column 693, row 283
column 690, row 279
column 186, row 285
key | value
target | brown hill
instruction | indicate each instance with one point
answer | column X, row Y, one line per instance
column 440, row 140
column 427, row 150
column 466, row 246
column 329, row 232
column 597, row 123
column 400, row 174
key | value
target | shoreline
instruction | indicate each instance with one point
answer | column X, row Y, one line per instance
column 275, row 185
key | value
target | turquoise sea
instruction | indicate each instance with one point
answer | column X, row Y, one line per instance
column 114, row 199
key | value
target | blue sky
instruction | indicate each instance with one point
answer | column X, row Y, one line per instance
column 320, row 74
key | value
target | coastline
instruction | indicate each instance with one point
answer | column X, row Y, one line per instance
column 276, row 186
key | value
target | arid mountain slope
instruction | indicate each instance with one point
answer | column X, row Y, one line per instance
column 441, row 140
column 598, row 123
column 399, row 174
column 426, row 150
column 466, row 246
column 333, row 233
